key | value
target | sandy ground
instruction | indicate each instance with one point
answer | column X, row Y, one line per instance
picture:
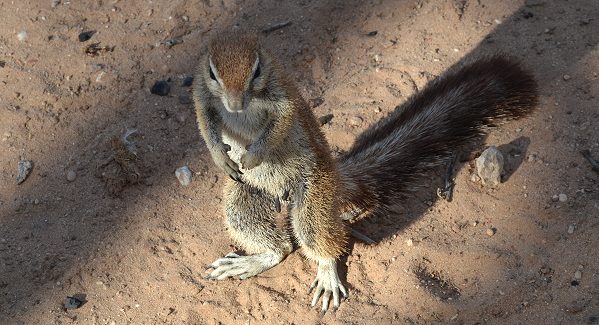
column 91, row 220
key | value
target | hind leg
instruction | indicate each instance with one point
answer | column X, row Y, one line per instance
column 251, row 223
column 322, row 235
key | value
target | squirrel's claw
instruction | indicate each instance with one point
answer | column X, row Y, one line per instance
column 277, row 205
column 327, row 282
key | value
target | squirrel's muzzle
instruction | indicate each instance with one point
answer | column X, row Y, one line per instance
column 234, row 103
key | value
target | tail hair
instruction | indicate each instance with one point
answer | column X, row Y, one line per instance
column 387, row 160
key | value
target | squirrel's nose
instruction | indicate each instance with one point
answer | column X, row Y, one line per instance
column 234, row 102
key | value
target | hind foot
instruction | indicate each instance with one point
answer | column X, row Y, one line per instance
column 242, row 267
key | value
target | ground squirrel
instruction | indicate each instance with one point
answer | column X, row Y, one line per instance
column 263, row 134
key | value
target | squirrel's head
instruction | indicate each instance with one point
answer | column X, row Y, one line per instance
column 236, row 70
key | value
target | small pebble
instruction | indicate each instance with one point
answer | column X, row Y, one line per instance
column 410, row 242
column 85, row 36
column 373, row 33
column 577, row 275
column 555, row 198
column 71, row 175
column 355, row 121
column 187, row 81
column 21, row 36
column 55, row 3
column 165, row 69
column 571, row 229
column 23, row 170
column 567, row 77
column 160, row 88
column 72, row 303
column 491, row 231
column 562, row 197
column 173, row 41
column 183, row 174
column 532, row 157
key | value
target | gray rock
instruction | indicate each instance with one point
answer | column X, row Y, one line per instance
column 24, row 169
column 562, row 197
column 183, row 174
column 489, row 166
column 71, row 175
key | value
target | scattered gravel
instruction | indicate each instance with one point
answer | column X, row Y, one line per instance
column 183, row 174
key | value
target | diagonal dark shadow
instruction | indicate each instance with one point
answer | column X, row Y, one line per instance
column 56, row 236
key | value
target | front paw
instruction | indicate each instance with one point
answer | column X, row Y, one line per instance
column 221, row 159
column 250, row 160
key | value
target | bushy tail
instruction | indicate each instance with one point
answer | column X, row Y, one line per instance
column 454, row 109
